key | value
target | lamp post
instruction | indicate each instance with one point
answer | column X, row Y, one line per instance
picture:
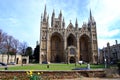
column 105, row 61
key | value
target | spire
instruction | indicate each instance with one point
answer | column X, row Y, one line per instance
column 76, row 23
column 53, row 14
column 63, row 23
column 63, row 20
column 41, row 17
column 45, row 14
column 90, row 15
column 60, row 15
column 70, row 21
column 91, row 18
column 52, row 17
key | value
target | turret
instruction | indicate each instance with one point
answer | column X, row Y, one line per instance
column 108, row 44
column 90, row 15
column 76, row 24
column 45, row 15
column 60, row 19
column 56, row 22
column 60, row 15
column 91, row 20
column 116, row 42
column 63, row 23
column 44, row 19
column 52, row 18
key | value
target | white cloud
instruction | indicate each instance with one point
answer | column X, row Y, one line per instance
column 27, row 16
column 103, row 42
column 109, row 33
column 106, row 13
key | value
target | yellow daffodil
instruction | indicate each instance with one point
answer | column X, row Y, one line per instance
column 31, row 72
column 41, row 72
column 27, row 73
column 38, row 73
column 31, row 75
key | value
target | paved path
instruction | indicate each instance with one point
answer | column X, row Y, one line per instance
column 84, row 78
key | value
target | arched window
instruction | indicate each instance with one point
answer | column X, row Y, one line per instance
column 72, row 51
column 70, row 41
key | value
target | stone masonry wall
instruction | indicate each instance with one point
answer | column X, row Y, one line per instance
column 22, row 75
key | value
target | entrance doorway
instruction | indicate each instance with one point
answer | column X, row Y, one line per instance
column 57, row 48
column 84, row 48
column 72, row 60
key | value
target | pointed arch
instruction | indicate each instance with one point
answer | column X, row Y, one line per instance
column 84, row 43
column 57, row 48
column 72, row 59
column 71, row 40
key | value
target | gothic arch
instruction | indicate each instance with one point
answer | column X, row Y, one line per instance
column 57, row 48
column 84, row 43
column 71, row 56
column 72, row 59
column 71, row 40
column 84, row 33
column 70, row 33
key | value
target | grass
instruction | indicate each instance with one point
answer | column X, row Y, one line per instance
column 52, row 67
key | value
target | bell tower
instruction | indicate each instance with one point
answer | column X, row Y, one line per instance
column 57, row 22
column 44, row 35
column 93, row 35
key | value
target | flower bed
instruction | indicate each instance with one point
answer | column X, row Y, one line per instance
column 23, row 75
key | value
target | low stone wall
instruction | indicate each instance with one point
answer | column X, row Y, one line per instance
column 112, row 72
column 21, row 75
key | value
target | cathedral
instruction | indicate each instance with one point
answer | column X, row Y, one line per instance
column 60, row 43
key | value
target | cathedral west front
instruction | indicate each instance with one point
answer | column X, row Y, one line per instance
column 60, row 43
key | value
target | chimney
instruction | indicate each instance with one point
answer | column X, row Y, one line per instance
column 116, row 42
column 108, row 44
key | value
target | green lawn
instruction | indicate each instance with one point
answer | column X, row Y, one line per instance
column 52, row 67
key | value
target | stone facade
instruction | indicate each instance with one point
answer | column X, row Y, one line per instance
column 110, row 54
column 68, row 44
column 4, row 57
column 19, row 59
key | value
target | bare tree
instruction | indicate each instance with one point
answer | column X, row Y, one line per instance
column 8, row 45
column 15, row 48
column 1, row 40
column 2, row 43
column 11, row 46
column 23, row 47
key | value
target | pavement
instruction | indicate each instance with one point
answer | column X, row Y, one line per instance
column 85, row 78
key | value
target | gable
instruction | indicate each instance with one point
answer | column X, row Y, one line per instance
column 70, row 26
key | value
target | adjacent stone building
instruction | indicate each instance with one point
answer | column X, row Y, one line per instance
column 110, row 54
column 67, row 43
column 19, row 59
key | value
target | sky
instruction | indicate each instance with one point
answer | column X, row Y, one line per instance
column 21, row 18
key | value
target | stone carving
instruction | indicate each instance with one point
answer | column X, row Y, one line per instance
column 44, row 35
